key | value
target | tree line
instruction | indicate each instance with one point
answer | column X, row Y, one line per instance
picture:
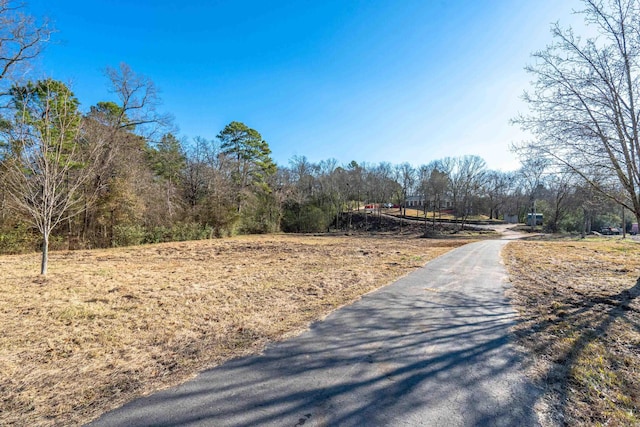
column 117, row 174
column 106, row 178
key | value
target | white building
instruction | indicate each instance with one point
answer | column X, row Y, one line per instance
column 419, row 201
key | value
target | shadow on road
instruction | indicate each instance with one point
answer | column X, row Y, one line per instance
column 414, row 353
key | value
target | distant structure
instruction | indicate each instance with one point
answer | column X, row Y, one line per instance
column 538, row 219
column 511, row 219
column 419, row 202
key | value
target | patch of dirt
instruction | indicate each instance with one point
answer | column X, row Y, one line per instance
column 358, row 222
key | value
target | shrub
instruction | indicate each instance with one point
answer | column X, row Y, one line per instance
column 128, row 235
column 17, row 239
column 182, row 231
column 158, row 234
column 305, row 219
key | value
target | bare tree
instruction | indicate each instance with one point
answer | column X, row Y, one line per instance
column 438, row 186
column 381, row 185
column 532, row 174
column 405, row 175
column 208, row 186
column 21, row 39
column 466, row 175
column 329, row 190
column 356, row 174
column 302, row 188
column 425, row 190
column 583, row 104
column 48, row 163
column 560, row 189
column 138, row 102
column 496, row 187
column 128, row 124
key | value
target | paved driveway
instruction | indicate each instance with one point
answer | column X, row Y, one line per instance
column 432, row 349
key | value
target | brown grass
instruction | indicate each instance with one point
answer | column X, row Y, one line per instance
column 107, row 326
column 580, row 308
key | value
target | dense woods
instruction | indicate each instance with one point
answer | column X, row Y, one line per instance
column 116, row 174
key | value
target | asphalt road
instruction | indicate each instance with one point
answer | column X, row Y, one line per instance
column 432, row 349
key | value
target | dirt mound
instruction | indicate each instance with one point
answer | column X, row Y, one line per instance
column 381, row 223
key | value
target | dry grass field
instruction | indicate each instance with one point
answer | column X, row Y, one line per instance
column 106, row 326
column 580, row 307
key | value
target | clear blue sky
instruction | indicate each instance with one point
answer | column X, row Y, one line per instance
column 372, row 81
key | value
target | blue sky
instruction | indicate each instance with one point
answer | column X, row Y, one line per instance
column 371, row 81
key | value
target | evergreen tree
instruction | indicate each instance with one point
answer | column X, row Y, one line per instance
column 251, row 158
column 168, row 158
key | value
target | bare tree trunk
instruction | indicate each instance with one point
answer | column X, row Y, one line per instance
column 112, row 237
column 436, row 205
column 45, row 254
column 426, row 220
column 584, row 224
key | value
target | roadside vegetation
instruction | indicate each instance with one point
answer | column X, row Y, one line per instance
column 106, row 326
column 579, row 302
